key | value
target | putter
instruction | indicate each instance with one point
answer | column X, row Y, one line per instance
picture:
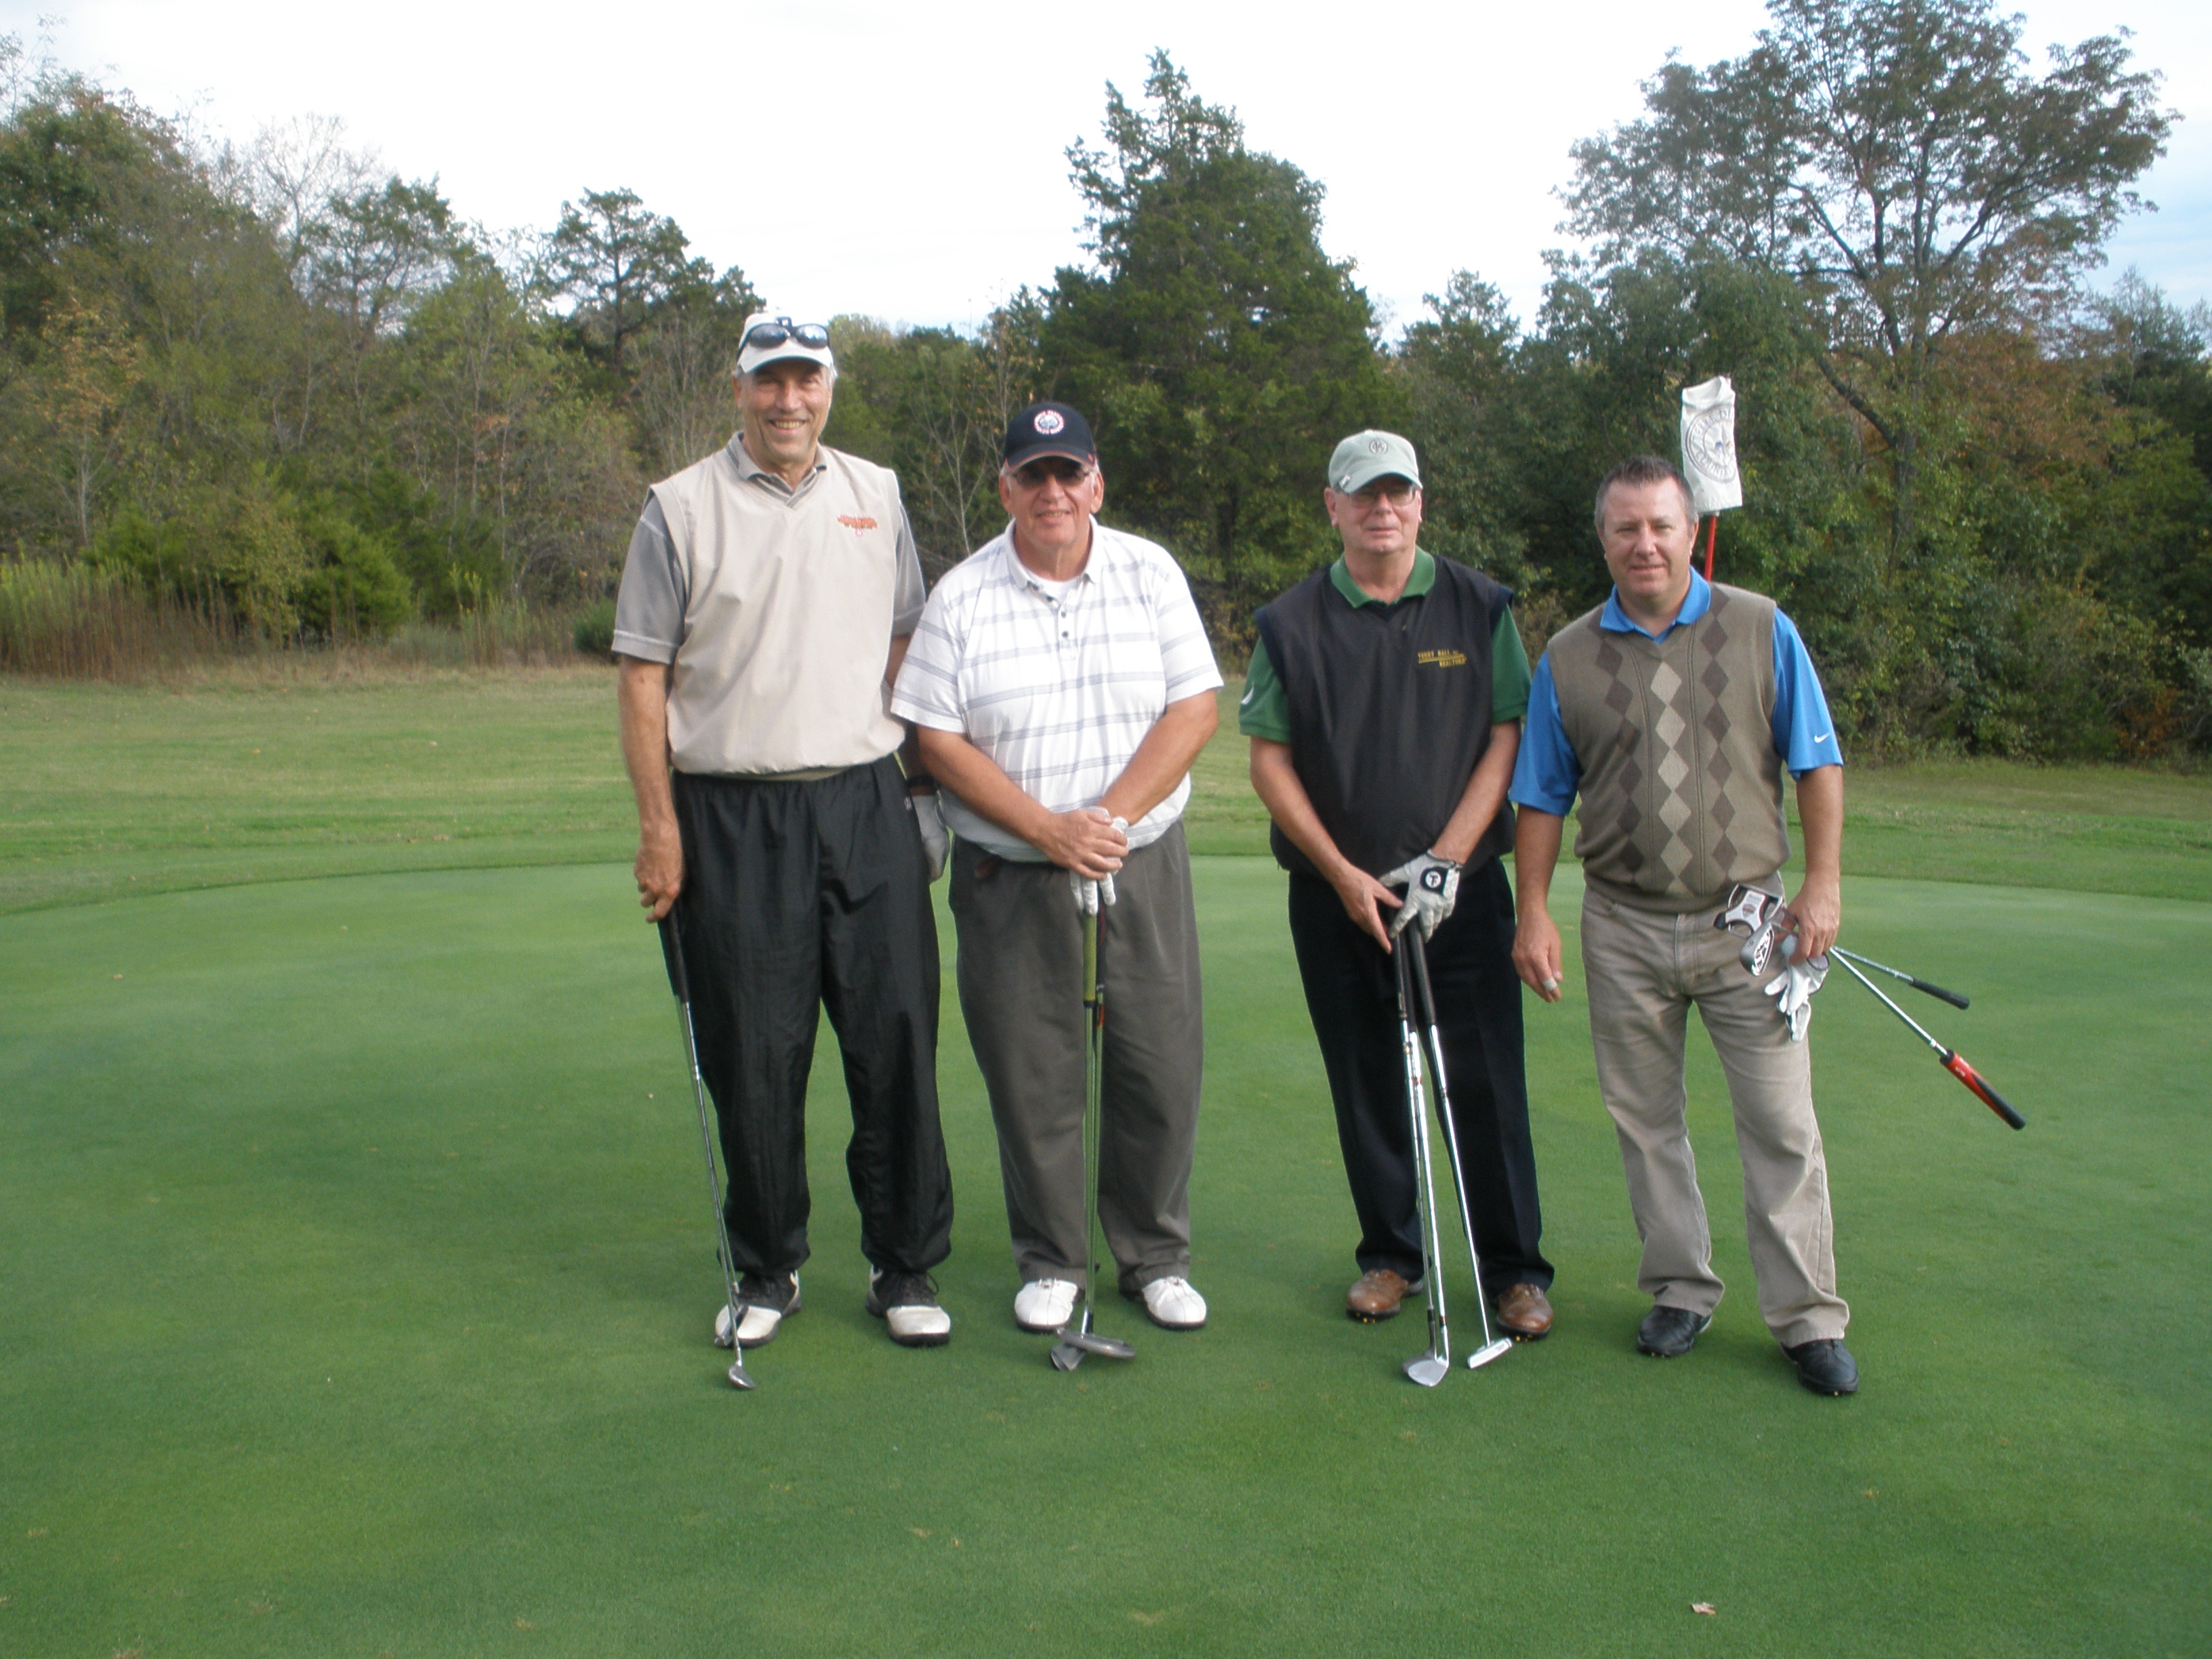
column 1916, row 983
column 1078, row 1339
column 1954, row 1062
column 672, row 952
column 1430, row 1368
column 1426, row 1007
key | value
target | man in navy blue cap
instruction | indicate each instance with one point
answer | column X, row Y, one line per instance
column 1060, row 685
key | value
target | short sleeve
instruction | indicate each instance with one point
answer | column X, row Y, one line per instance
column 1546, row 773
column 907, row 595
column 655, row 590
column 1509, row 671
column 1186, row 657
column 1264, row 710
column 1804, row 731
column 929, row 688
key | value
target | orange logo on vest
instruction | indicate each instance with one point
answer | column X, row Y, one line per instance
column 854, row 525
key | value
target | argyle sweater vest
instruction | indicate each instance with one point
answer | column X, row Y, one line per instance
column 1681, row 786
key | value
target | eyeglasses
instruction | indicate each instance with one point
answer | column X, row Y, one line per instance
column 1396, row 491
column 783, row 331
column 1032, row 476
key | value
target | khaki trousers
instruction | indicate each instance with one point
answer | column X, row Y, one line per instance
column 1643, row 969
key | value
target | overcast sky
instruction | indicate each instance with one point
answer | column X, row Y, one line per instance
column 905, row 161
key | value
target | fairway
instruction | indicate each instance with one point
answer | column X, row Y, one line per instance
column 358, row 1278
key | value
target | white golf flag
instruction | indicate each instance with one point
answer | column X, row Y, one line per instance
column 1709, row 444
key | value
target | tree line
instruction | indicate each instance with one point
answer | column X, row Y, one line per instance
column 274, row 377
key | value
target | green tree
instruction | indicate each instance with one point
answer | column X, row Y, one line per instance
column 1899, row 163
column 618, row 264
column 1218, row 350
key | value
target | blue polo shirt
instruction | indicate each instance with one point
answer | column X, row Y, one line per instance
column 1546, row 775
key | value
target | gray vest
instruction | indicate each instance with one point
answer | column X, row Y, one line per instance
column 1681, row 786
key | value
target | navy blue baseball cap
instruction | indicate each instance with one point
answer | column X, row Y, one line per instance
column 1048, row 428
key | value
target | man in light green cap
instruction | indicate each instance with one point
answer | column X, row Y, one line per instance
column 1385, row 703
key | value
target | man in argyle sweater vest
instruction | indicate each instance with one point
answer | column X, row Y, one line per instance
column 1672, row 710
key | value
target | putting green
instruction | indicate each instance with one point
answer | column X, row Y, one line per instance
column 357, row 1277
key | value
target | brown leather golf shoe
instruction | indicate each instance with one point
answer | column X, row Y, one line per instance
column 1524, row 1313
column 1377, row 1294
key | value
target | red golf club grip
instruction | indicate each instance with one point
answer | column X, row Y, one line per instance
column 1955, row 1064
column 671, row 952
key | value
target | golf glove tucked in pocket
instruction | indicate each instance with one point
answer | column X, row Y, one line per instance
column 1431, row 885
column 1793, row 993
column 936, row 845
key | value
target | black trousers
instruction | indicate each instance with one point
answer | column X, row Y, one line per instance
column 798, row 897
column 1350, row 988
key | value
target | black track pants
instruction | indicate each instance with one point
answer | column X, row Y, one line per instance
column 797, row 897
column 1351, row 993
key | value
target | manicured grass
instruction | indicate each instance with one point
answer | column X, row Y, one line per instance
column 358, row 1278
column 115, row 792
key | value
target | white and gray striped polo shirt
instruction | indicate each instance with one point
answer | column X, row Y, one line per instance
column 1058, row 690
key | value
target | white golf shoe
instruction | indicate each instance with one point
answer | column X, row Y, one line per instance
column 907, row 1303
column 1045, row 1305
column 1173, row 1304
column 762, row 1301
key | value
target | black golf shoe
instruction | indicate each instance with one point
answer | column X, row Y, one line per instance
column 1669, row 1332
column 1825, row 1367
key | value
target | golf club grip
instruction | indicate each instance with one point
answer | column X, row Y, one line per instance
column 1955, row 1064
column 1939, row 992
column 671, row 952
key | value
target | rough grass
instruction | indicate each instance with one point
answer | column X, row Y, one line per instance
column 358, row 1279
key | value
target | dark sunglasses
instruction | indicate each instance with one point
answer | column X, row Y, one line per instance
column 782, row 331
column 1033, row 476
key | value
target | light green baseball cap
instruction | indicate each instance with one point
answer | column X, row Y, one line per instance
column 1365, row 457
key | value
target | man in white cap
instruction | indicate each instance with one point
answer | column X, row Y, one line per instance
column 1061, row 684
column 1384, row 703
column 765, row 606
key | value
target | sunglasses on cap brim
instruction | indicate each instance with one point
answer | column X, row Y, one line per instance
column 768, row 335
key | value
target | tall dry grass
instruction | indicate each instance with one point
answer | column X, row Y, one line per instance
column 73, row 621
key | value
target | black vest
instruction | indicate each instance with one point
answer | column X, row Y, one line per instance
column 1389, row 710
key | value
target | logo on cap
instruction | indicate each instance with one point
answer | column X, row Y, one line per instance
column 1377, row 446
column 1048, row 421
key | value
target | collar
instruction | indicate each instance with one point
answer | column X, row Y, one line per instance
column 1695, row 603
column 1102, row 542
column 1423, row 578
column 749, row 468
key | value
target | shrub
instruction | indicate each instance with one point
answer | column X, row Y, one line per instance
column 595, row 630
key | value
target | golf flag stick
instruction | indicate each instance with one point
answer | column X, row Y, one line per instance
column 671, row 952
column 1918, row 984
column 1954, row 1062
column 1712, row 533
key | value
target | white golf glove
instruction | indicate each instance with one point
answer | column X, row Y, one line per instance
column 1089, row 894
column 936, row 845
column 1793, row 993
column 1431, row 885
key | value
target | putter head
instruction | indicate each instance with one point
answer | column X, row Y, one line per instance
column 1106, row 1347
column 1066, row 1357
column 1483, row 1355
column 738, row 1377
column 1427, row 1369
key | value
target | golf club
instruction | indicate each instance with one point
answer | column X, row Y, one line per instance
column 1954, row 1062
column 1078, row 1339
column 672, row 952
column 1430, row 1368
column 1915, row 981
column 1426, row 1007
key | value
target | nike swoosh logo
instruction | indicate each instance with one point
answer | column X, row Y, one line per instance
column 1824, row 737
column 1246, row 698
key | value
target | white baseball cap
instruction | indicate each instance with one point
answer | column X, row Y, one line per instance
column 769, row 339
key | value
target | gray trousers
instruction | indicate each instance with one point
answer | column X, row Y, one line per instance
column 1021, row 992
column 1643, row 969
